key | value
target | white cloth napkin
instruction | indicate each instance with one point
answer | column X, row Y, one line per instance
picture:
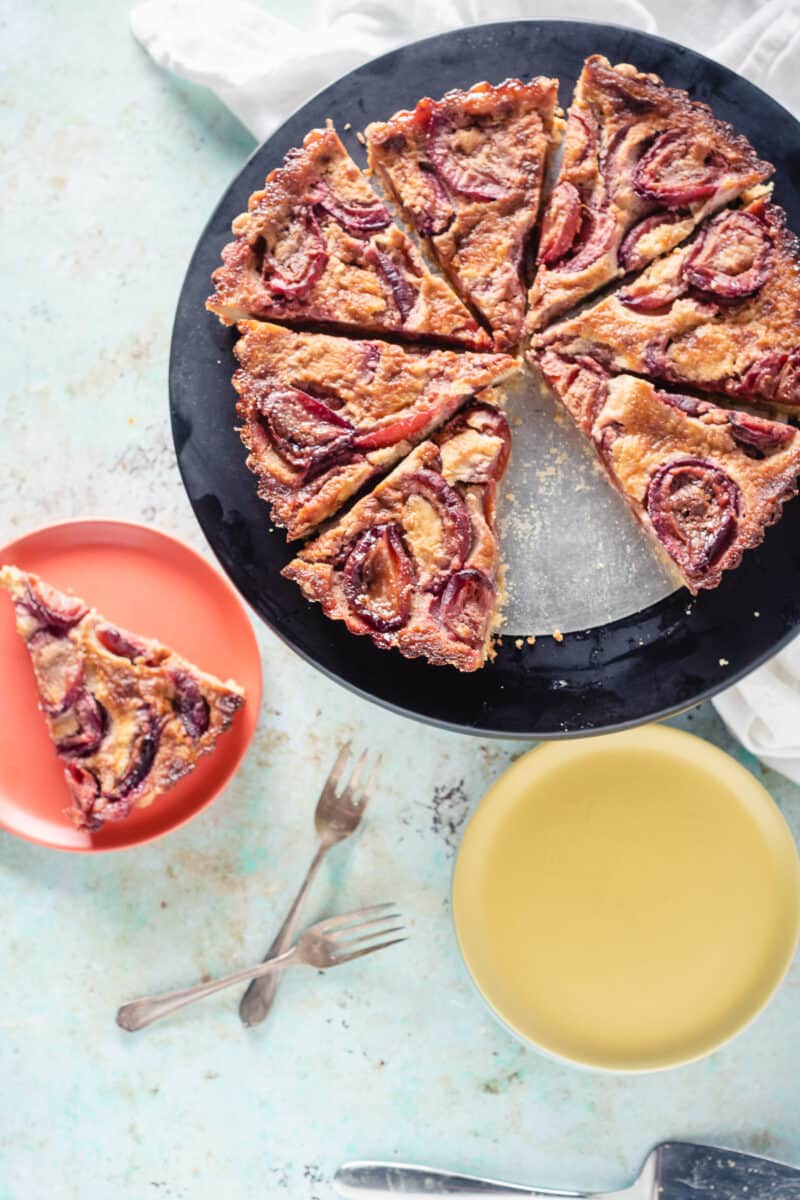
column 263, row 67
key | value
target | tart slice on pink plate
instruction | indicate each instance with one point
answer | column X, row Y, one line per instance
column 467, row 171
column 128, row 717
column 415, row 564
column 322, row 415
column 720, row 314
column 704, row 481
column 643, row 165
column 318, row 245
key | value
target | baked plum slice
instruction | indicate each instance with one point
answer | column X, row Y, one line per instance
column 396, row 280
column 303, row 259
column 756, row 434
column 435, row 213
column 358, row 218
column 191, row 704
column 455, row 169
column 454, row 528
column 143, row 755
column 414, row 563
column 679, row 168
column 304, row 431
column 693, row 505
column 730, row 258
column 466, row 605
column 594, row 236
column 561, row 223
column 631, row 254
column 378, row 578
column 91, row 722
column 485, row 465
column 52, row 609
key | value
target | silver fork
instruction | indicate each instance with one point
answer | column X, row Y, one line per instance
column 338, row 815
column 329, row 943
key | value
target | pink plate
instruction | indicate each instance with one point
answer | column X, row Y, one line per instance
column 152, row 584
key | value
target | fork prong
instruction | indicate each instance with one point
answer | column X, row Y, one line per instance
column 337, row 769
column 373, row 779
column 368, row 950
column 361, row 797
column 370, row 937
column 348, row 930
column 352, row 918
column 352, row 783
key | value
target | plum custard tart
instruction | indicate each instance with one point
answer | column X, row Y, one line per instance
column 703, row 480
column 467, row 171
column 323, row 415
column 414, row 565
column 128, row 717
column 643, row 165
column 720, row 314
column 318, row 245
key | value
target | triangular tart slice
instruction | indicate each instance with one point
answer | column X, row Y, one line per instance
column 323, row 415
column 128, row 717
column 318, row 246
column 414, row 565
column 467, row 171
column 720, row 314
column 704, row 481
column 643, row 165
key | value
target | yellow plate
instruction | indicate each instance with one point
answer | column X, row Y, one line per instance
column 627, row 902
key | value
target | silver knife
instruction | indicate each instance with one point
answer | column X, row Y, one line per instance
column 671, row 1171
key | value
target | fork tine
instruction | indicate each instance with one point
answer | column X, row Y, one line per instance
column 349, row 930
column 373, row 779
column 336, row 770
column 370, row 937
column 362, row 796
column 326, row 926
column 368, row 950
column 352, row 782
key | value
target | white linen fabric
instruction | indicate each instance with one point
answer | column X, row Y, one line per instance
column 263, row 67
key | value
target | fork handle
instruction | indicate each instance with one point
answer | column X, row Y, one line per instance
column 259, row 997
column 373, row 1180
column 139, row 1013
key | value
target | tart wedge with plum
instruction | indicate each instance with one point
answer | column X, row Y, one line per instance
column 704, row 481
column 643, row 165
column 128, row 717
column 323, row 415
column 467, row 171
column 414, row 565
column 720, row 314
column 317, row 245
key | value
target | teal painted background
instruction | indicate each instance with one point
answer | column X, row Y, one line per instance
column 110, row 170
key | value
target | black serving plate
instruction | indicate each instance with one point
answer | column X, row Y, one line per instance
column 648, row 665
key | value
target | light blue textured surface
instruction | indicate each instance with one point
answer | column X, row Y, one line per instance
column 110, row 171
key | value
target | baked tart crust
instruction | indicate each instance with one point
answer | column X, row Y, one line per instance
column 467, row 172
column 721, row 314
column 703, row 480
column 128, row 717
column 317, row 245
column 415, row 564
column 643, row 165
column 322, row 416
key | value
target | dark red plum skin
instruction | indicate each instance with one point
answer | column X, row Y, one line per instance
column 191, row 704
column 386, row 541
column 693, row 554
